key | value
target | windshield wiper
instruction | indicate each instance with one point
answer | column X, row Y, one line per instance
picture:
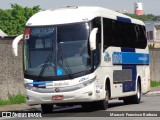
column 45, row 64
column 65, row 62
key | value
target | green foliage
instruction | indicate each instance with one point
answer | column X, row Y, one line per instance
column 155, row 84
column 13, row 99
column 148, row 17
column 12, row 21
column 151, row 46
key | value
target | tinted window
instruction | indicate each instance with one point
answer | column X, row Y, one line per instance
column 96, row 23
column 123, row 34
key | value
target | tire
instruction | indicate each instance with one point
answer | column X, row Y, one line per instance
column 97, row 105
column 103, row 104
column 47, row 108
column 87, row 107
column 127, row 100
column 135, row 99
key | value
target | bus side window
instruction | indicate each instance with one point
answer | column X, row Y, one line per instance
column 107, row 28
column 123, row 34
column 142, row 41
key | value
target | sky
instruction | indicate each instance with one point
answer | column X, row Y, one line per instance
column 149, row 6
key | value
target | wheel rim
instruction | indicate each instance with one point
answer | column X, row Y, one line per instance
column 138, row 92
column 107, row 94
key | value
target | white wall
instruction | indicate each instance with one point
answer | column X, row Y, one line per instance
column 156, row 32
column 149, row 28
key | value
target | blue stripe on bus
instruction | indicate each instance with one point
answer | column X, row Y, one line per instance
column 123, row 19
column 36, row 83
column 127, row 49
column 130, row 58
column 129, row 85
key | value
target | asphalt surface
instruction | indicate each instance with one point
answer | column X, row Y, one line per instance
column 150, row 104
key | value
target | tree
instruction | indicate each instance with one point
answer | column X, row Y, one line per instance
column 13, row 21
column 149, row 17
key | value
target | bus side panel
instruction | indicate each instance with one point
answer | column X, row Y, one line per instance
column 129, row 85
column 123, row 76
column 145, row 72
column 107, row 71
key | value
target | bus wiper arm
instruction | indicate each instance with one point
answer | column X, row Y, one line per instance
column 46, row 61
column 45, row 64
column 65, row 62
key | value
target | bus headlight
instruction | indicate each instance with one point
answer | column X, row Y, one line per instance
column 78, row 86
column 88, row 82
column 29, row 87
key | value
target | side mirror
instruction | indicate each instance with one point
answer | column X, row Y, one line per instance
column 92, row 39
column 15, row 44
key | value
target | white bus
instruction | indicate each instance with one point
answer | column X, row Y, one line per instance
column 84, row 55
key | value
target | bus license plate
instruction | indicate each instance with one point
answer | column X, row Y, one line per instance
column 58, row 97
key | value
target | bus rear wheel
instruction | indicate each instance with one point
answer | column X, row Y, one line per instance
column 47, row 108
column 135, row 99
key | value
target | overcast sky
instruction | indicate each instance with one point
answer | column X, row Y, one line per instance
column 150, row 6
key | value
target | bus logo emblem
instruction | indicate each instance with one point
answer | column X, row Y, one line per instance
column 107, row 57
column 57, row 90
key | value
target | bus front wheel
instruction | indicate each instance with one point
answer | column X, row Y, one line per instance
column 103, row 104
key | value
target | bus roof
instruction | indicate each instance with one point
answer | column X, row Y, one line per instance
column 74, row 14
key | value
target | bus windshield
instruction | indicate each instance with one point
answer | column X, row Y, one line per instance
column 57, row 50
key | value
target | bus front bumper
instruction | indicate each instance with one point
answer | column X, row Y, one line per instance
column 85, row 94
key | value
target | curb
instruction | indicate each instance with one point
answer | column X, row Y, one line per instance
column 154, row 93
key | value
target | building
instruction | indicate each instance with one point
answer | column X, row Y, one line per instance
column 124, row 11
column 153, row 33
column 2, row 33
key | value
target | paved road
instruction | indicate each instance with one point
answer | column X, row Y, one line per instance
column 148, row 103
